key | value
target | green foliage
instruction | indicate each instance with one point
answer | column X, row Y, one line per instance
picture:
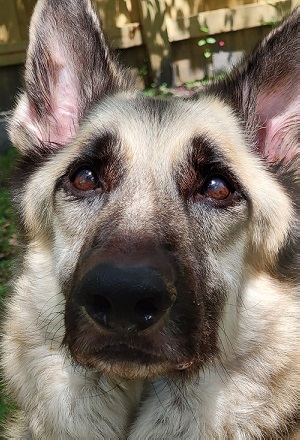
column 7, row 228
column 6, row 164
column 206, row 42
column 143, row 71
column 211, row 40
column 207, row 53
column 272, row 22
column 161, row 90
column 204, row 29
column 7, row 245
column 184, row 90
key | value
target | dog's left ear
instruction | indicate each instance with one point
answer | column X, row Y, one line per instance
column 69, row 67
column 265, row 91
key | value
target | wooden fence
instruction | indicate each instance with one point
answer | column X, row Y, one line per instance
column 158, row 38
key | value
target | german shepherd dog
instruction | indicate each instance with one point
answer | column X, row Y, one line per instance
column 157, row 296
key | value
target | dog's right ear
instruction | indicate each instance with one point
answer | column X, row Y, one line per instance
column 69, row 67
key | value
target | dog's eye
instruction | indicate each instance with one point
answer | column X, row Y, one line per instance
column 216, row 187
column 85, row 179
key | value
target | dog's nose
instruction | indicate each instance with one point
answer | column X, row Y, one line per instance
column 125, row 298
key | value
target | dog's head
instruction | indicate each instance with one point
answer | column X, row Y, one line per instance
column 155, row 213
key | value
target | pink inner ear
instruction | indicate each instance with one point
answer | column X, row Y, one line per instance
column 278, row 109
column 57, row 126
column 64, row 119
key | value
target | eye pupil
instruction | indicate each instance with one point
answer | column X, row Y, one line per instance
column 84, row 179
column 217, row 188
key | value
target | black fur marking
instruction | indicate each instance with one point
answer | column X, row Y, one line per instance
column 288, row 262
column 206, row 160
column 103, row 155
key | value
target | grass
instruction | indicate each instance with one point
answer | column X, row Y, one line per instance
column 7, row 228
column 8, row 244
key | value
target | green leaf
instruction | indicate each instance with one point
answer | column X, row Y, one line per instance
column 201, row 42
column 211, row 40
column 204, row 29
column 143, row 71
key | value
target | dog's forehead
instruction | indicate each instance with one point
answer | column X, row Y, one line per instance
column 148, row 128
column 156, row 136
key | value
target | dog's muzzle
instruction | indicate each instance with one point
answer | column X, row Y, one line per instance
column 122, row 298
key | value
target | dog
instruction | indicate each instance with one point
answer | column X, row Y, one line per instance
column 158, row 292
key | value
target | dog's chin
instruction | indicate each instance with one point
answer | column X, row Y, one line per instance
column 130, row 363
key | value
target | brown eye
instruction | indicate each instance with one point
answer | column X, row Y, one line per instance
column 216, row 188
column 85, row 179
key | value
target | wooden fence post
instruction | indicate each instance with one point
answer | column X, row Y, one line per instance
column 155, row 36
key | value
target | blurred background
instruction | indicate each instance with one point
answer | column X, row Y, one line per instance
column 165, row 42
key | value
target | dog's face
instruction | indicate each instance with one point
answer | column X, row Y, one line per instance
column 155, row 213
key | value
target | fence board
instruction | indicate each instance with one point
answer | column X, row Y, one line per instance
column 9, row 25
column 11, row 54
column 127, row 36
column 24, row 12
column 117, row 13
column 226, row 20
column 155, row 36
column 154, row 26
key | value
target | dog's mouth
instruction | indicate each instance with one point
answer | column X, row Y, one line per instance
column 132, row 321
column 130, row 362
column 126, row 354
column 124, row 357
column 123, row 353
column 138, row 355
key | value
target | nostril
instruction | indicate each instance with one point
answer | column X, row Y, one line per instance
column 146, row 313
column 99, row 308
column 123, row 298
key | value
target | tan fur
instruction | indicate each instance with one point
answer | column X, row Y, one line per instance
column 248, row 387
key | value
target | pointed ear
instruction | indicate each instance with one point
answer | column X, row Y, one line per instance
column 265, row 90
column 69, row 67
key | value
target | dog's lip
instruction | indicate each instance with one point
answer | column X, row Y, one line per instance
column 128, row 351
column 122, row 352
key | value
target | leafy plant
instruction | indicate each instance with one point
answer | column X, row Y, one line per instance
column 155, row 90
column 272, row 22
column 143, row 71
column 207, row 42
column 7, row 249
column 7, row 229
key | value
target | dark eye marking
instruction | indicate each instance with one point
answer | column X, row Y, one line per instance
column 98, row 169
column 206, row 177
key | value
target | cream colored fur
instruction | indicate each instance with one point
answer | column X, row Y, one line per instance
column 249, row 388
column 254, row 387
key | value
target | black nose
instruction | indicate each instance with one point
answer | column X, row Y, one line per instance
column 124, row 298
